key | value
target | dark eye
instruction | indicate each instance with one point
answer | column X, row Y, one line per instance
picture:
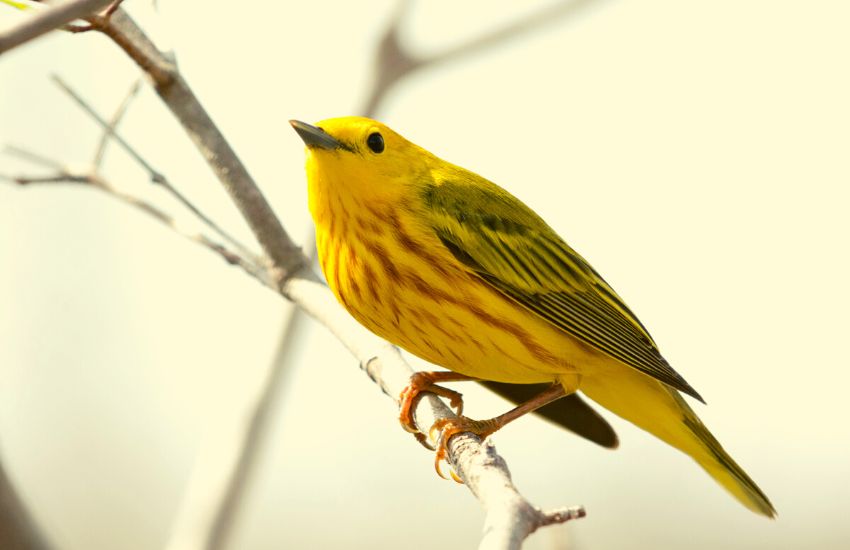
column 375, row 141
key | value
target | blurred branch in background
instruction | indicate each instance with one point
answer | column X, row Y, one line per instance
column 222, row 465
column 156, row 177
column 96, row 181
column 91, row 177
column 100, row 152
column 394, row 60
column 17, row 529
column 220, row 476
column 228, row 459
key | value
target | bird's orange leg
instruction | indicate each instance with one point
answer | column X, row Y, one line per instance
column 427, row 382
column 448, row 427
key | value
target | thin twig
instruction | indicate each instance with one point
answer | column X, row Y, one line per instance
column 48, row 19
column 97, row 161
column 54, row 178
column 112, row 7
column 255, row 270
column 32, row 157
column 156, row 176
column 105, row 126
column 259, row 272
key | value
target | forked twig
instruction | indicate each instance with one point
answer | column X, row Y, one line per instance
column 394, row 60
column 155, row 175
column 97, row 161
column 64, row 174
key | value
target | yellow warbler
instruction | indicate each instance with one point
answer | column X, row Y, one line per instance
column 454, row 269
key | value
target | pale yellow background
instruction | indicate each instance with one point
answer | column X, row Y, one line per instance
column 695, row 152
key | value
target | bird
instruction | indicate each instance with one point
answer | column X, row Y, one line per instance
column 454, row 269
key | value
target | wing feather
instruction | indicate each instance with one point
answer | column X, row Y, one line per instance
column 509, row 247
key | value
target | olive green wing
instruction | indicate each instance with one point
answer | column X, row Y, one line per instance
column 508, row 246
column 570, row 412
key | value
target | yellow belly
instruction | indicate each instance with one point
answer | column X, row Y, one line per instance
column 446, row 316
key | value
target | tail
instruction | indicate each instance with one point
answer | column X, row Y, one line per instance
column 661, row 411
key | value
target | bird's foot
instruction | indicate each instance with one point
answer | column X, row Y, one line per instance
column 410, row 395
column 446, row 428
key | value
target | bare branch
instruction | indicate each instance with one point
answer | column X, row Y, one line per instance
column 48, row 19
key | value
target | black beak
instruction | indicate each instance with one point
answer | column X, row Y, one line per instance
column 315, row 137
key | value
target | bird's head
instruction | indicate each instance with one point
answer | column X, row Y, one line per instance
column 362, row 157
